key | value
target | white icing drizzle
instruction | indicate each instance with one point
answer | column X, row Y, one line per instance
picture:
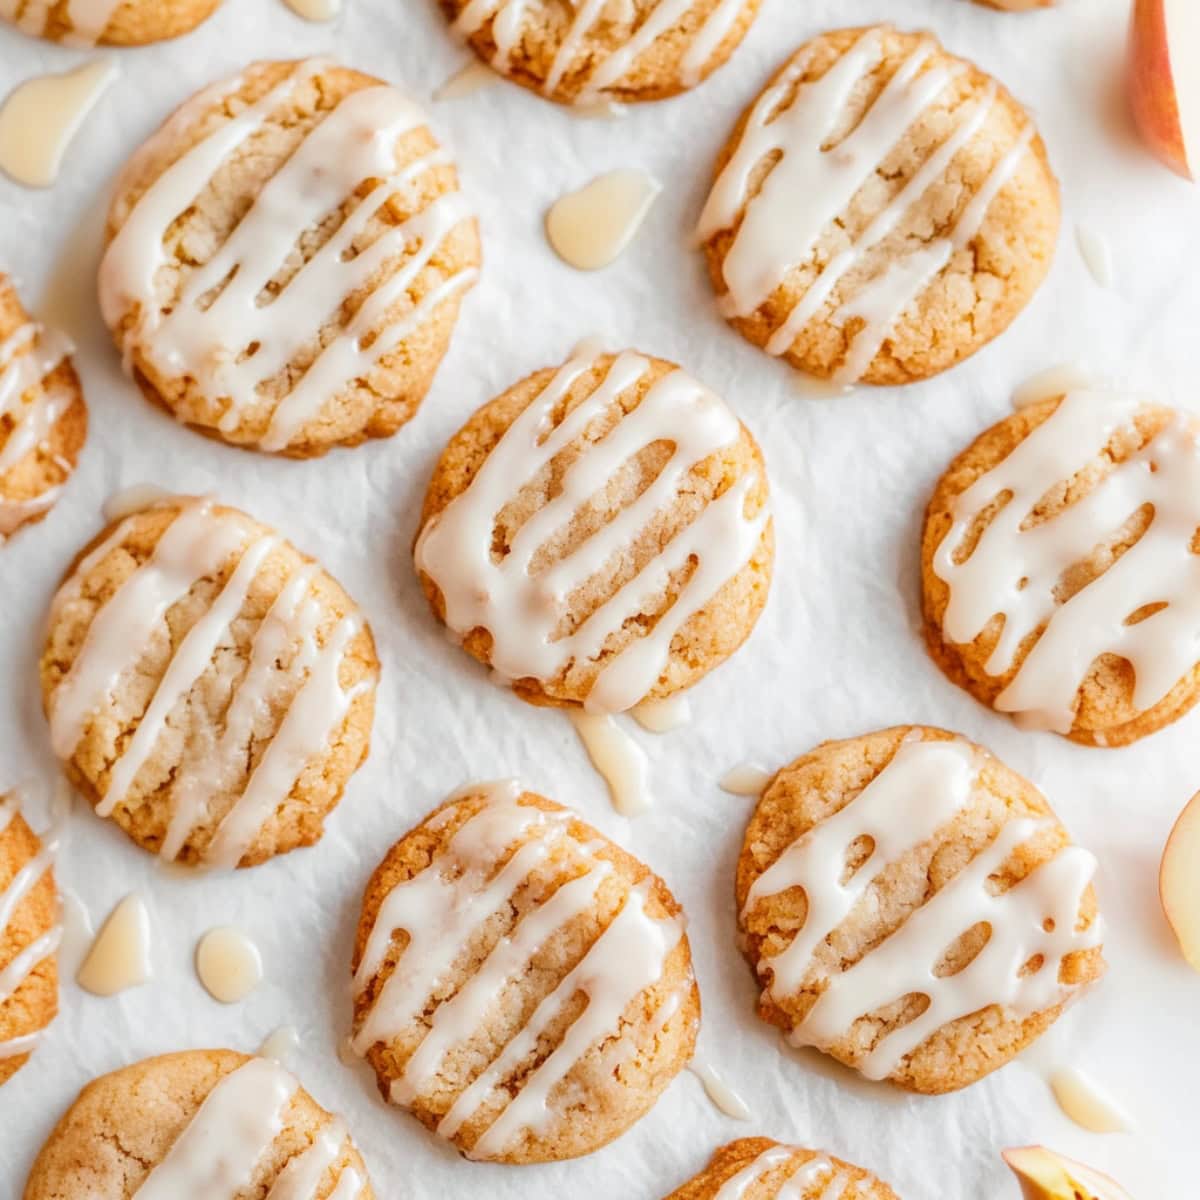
column 798, row 1184
column 745, row 780
column 723, row 1097
column 924, row 786
column 1016, row 568
column 27, row 356
column 233, row 345
column 301, row 1178
column 618, row 758
column 219, row 1149
column 663, row 716
column 443, row 906
column 522, row 610
column 88, row 18
column 811, row 184
column 607, row 73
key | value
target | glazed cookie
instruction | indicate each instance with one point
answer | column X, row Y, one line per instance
column 604, row 50
column 286, row 259
column 882, row 211
column 913, row 908
column 107, row 22
column 599, row 534
column 43, row 419
column 211, row 1123
column 760, row 1169
column 521, row 985
column 207, row 685
column 29, row 937
column 1061, row 567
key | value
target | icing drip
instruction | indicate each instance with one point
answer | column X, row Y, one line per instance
column 443, row 907
column 119, row 958
column 812, row 183
column 617, row 757
column 723, row 1097
column 1016, row 568
column 27, row 357
column 924, row 786
column 608, row 72
column 523, row 610
column 236, row 345
column 88, row 18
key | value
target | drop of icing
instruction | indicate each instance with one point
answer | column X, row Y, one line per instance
column 662, row 716
column 228, row 964
column 280, row 1043
column 315, row 10
column 42, row 115
column 120, row 955
column 719, row 1092
column 474, row 77
column 77, row 934
column 745, row 780
column 1055, row 381
column 1096, row 254
column 618, row 758
column 1086, row 1104
column 589, row 228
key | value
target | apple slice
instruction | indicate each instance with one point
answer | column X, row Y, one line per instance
column 1047, row 1175
column 1164, row 80
column 1179, row 881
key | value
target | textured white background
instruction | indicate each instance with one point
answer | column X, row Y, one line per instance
column 837, row 652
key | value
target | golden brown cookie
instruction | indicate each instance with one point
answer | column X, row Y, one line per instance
column 882, row 210
column 286, row 258
column 107, row 22
column 606, row 50
column 29, row 936
column 621, row 556
column 211, row 1123
column 208, row 686
column 757, row 1168
column 523, row 986
column 1073, row 604
column 914, row 908
column 43, row 419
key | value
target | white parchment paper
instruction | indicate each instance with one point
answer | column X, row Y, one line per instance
column 837, row 652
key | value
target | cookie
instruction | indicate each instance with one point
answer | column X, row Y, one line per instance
column 29, row 935
column 604, row 50
column 1075, row 606
column 286, row 258
column 882, row 210
column 870, row 875
column 757, row 1168
column 599, row 534
column 522, row 985
column 43, row 419
column 211, row 1123
column 208, row 686
column 107, row 22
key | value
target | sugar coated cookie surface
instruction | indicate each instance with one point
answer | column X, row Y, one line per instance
column 881, row 211
column 107, row 22
column 521, row 984
column 1061, row 567
column 914, row 908
column 603, row 50
column 757, row 1168
column 208, row 687
column 599, row 534
column 286, row 259
column 201, row 1123
column 43, row 419
column 29, row 935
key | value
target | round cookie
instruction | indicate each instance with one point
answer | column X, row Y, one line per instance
column 757, row 1168
column 619, row 557
column 43, row 419
column 29, row 937
column 108, row 22
column 870, row 875
column 286, row 258
column 522, row 985
column 211, row 1123
column 1074, row 605
column 605, row 50
column 882, row 211
column 208, row 686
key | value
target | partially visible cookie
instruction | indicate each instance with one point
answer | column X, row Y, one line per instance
column 757, row 1168
column 29, row 935
column 624, row 50
column 43, row 419
column 913, row 908
column 208, row 686
column 286, row 258
column 523, row 986
column 107, row 22
column 600, row 533
column 200, row 1123
column 882, row 210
